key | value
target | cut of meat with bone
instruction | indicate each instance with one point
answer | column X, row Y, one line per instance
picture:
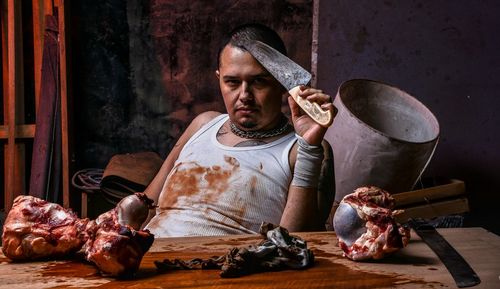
column 116, row 249
column 36, row 229
column 383, row 235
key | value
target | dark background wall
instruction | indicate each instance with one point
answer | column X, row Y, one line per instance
column 447, row 55
column 144, row 69
column 137, row 84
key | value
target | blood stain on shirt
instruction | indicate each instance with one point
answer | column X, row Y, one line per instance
column 240, row 212
column 182, row 183
column 217, row 179
column 186, row 182
column 232, row 161
column 253, row 183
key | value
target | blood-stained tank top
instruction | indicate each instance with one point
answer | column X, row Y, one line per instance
column 215, row 189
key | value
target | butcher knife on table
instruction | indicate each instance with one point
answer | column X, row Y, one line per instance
column 290, row 75
column 349, row 226
column 459, row 269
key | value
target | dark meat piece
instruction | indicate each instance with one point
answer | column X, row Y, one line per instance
column 116, row 249
column 36, row 229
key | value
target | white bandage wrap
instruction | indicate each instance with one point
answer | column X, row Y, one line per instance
column 308, row 164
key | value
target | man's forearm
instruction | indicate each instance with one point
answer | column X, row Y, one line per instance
column 307, row 165
column 301, row 210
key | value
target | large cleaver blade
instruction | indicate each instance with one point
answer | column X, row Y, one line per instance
column 460, row 270
column 290, row 75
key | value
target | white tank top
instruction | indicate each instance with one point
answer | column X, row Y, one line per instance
column 215, row 189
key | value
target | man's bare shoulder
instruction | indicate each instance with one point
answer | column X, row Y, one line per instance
column 194, row 126
column 202, row 119
column 206, row 116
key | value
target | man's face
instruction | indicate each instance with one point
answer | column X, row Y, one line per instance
column 251, row 94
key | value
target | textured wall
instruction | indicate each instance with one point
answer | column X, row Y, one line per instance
column 144, row 69
column 446, row 54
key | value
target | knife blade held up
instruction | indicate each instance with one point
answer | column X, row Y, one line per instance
column 290, row 75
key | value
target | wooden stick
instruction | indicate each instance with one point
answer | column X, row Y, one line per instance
column 14, row 48
column 429, row 195
column 38, row 33
column 64, row 100
column 433, row 210
column 22, row 131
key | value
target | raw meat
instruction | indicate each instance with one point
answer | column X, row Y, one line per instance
column 36, row 229
column 116, row 249
column 383, row 235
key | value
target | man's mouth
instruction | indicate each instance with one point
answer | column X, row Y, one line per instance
column 246, row 110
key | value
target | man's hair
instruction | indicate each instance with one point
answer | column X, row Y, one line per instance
column 252, row 31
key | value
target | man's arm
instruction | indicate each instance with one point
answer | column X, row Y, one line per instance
column 301, row 211
column 154, row 188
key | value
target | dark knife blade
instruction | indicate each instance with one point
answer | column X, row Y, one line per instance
column 290, row 75
column 285, row 70
column 459, row 269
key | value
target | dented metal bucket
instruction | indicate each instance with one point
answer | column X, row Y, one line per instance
column 381, row 136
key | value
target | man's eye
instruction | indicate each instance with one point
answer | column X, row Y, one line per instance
column 232, row 82
column 259, row 81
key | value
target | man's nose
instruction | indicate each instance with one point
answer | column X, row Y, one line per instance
column 245, row 92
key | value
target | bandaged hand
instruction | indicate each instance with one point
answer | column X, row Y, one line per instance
column 308, row 164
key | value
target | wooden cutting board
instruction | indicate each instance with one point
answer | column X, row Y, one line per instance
column 415, row 266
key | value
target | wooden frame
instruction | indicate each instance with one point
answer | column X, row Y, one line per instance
column 13, row 91
column 13, row 130
column 63, row 52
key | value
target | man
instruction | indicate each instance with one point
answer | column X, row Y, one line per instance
column 229, row 172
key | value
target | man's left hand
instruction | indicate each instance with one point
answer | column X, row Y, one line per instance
column 304, row 125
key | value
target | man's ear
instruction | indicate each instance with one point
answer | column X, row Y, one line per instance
column 217, row 73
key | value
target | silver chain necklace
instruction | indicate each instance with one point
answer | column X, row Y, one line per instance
column 285, row 125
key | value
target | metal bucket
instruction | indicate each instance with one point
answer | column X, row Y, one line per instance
column 381, row 136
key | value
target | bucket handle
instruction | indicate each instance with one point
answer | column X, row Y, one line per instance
column 427, row 163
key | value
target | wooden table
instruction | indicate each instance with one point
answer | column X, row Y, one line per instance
column 415, row 266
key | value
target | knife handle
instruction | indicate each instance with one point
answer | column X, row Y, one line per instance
column 322, row 117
